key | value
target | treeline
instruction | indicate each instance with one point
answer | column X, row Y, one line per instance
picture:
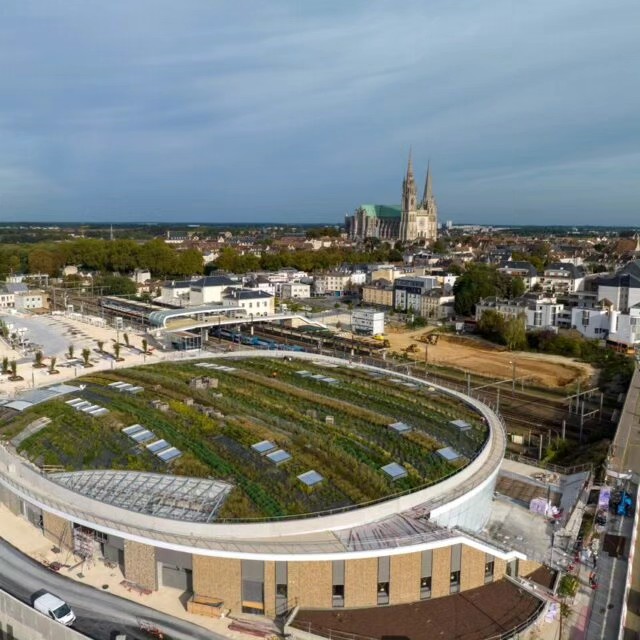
column 230, row 260
column 106, row 256
column 123, row 256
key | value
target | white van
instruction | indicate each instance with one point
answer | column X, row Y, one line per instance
column 55, row 608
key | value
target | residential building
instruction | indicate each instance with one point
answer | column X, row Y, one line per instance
column 408, row 290
column 332, row 284
column 255, row 303
column 435, row 304
column 30, row 300
column 537, row 312
column 378, row 293
column 291, row 290
column 524, row 270
column 562, row 278
column 367, row 321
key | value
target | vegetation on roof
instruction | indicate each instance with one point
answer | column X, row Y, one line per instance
column 338, row 429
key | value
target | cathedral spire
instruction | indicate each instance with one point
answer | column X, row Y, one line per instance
column 428, row 191
column 410, row 165
column 409, row 186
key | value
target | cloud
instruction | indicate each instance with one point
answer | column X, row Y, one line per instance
column 301, row 111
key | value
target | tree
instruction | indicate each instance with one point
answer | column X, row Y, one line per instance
column 515, row 335
column 478, row 281
column 145, row 345
column 491, row 326
column 70, row 352
column 13, row 365
column 189, row 263
column 5, row 365
column 125, row 337
column 116, row 350
column 517, row 287
column 100, row 346
column 52, row 365
column 116, row 285
column 85, row 356
column 38, row 360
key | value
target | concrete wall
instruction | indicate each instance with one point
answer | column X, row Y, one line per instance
column 58, row 530
column 525, row 567
column 10, row 500
column 140, row 564
column 19, row 621
column 219, row 578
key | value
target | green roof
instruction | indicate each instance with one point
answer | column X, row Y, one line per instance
column 382, row 210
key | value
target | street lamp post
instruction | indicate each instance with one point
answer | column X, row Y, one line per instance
column 513, row 375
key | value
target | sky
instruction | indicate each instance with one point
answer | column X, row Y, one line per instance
column 205, row 111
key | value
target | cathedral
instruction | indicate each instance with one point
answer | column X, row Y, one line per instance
column 412, row 221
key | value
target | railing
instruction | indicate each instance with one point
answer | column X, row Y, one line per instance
column 548, row 466
column 495, row 444
column 334, row 634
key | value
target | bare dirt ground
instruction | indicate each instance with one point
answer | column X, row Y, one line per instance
column 476, row 356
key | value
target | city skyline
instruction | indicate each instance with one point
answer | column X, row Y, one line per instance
column 157, row 112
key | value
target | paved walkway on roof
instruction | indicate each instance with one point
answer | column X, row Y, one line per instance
column 477, row 614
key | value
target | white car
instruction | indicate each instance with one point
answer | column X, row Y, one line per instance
column 54, row 608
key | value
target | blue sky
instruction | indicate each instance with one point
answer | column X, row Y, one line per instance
column 154, row 110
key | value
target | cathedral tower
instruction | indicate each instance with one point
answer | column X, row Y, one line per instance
column 408, row 228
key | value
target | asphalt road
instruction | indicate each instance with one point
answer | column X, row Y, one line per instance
column 99, row 614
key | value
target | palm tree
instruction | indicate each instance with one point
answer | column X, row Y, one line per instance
column 38, row 360
column 145, row 345
column 125, row 336
column 101, row 346
column 70, row 351
column 5, row 365
column 13, row 365
column 116, row 350
column 52, row 365
column 85, row 356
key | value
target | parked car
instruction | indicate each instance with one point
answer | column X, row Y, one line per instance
column 54, row 608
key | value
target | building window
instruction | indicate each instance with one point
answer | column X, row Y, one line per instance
column 337, row 595
column 383, row 593
column 425, row 588
column 454, row 582
column 488, row 571
column 337, row 589
column 281, row 590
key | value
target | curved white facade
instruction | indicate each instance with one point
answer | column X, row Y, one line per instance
column 462, row 500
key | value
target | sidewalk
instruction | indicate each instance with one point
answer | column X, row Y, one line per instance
column 25, row 537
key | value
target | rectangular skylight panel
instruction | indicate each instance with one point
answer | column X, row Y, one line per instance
column 143, row 436
column 81, row 405
column 74, row 402
column 135, row 390
column 461, row 425
column 125, row 387
column 279, row 456
column 158, row 445
column 310, row 478
column 263, row 447
column 448, row 453
column 169, row 454
column 395, row 471
column 116, row 384
column 100, row 412
column 134, row 428
column 400, row 427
